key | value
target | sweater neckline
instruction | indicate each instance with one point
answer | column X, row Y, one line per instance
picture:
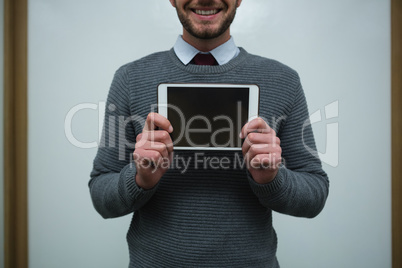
column 203, row 69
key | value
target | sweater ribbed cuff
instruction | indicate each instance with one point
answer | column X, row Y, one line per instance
column 137, row 195
column 269, row 189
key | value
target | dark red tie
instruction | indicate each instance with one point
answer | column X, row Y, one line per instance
column 204, row 59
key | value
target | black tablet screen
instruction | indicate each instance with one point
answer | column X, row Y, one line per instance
column 207, row 116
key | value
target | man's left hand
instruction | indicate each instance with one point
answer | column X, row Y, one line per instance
column 261, row 150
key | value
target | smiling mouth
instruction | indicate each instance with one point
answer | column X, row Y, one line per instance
column 206, row 12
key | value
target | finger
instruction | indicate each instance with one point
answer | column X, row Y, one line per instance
column 154, row 146
column 155, row 120
column 265, row 161
column 147, row 158
column 255, row 125
column 257, row 149
column 155, row 136
column 262, row 161
column 270, row 138
column 260, row 138
column 262, row 149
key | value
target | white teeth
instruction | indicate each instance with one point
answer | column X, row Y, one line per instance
column 206, row 12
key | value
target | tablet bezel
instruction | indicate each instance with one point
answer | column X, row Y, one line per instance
column 253, row 106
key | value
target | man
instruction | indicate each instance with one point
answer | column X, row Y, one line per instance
column 208, row 217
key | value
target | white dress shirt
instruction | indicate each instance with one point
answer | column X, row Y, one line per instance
column 222, row 54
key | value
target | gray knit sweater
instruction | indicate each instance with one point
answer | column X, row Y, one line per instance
column 203, row 216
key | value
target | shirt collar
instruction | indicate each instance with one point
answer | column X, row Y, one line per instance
column 223, row 54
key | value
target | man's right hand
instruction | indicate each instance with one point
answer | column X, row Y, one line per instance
column 153, row 151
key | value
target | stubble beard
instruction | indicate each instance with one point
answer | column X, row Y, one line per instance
column 206, row 33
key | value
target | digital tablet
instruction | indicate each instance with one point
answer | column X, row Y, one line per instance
column 207, row 116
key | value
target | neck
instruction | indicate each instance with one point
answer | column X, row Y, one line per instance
column 206, row 45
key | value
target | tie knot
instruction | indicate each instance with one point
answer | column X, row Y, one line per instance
column 204, row 59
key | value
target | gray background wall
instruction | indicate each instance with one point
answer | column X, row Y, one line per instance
column 341, row 50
